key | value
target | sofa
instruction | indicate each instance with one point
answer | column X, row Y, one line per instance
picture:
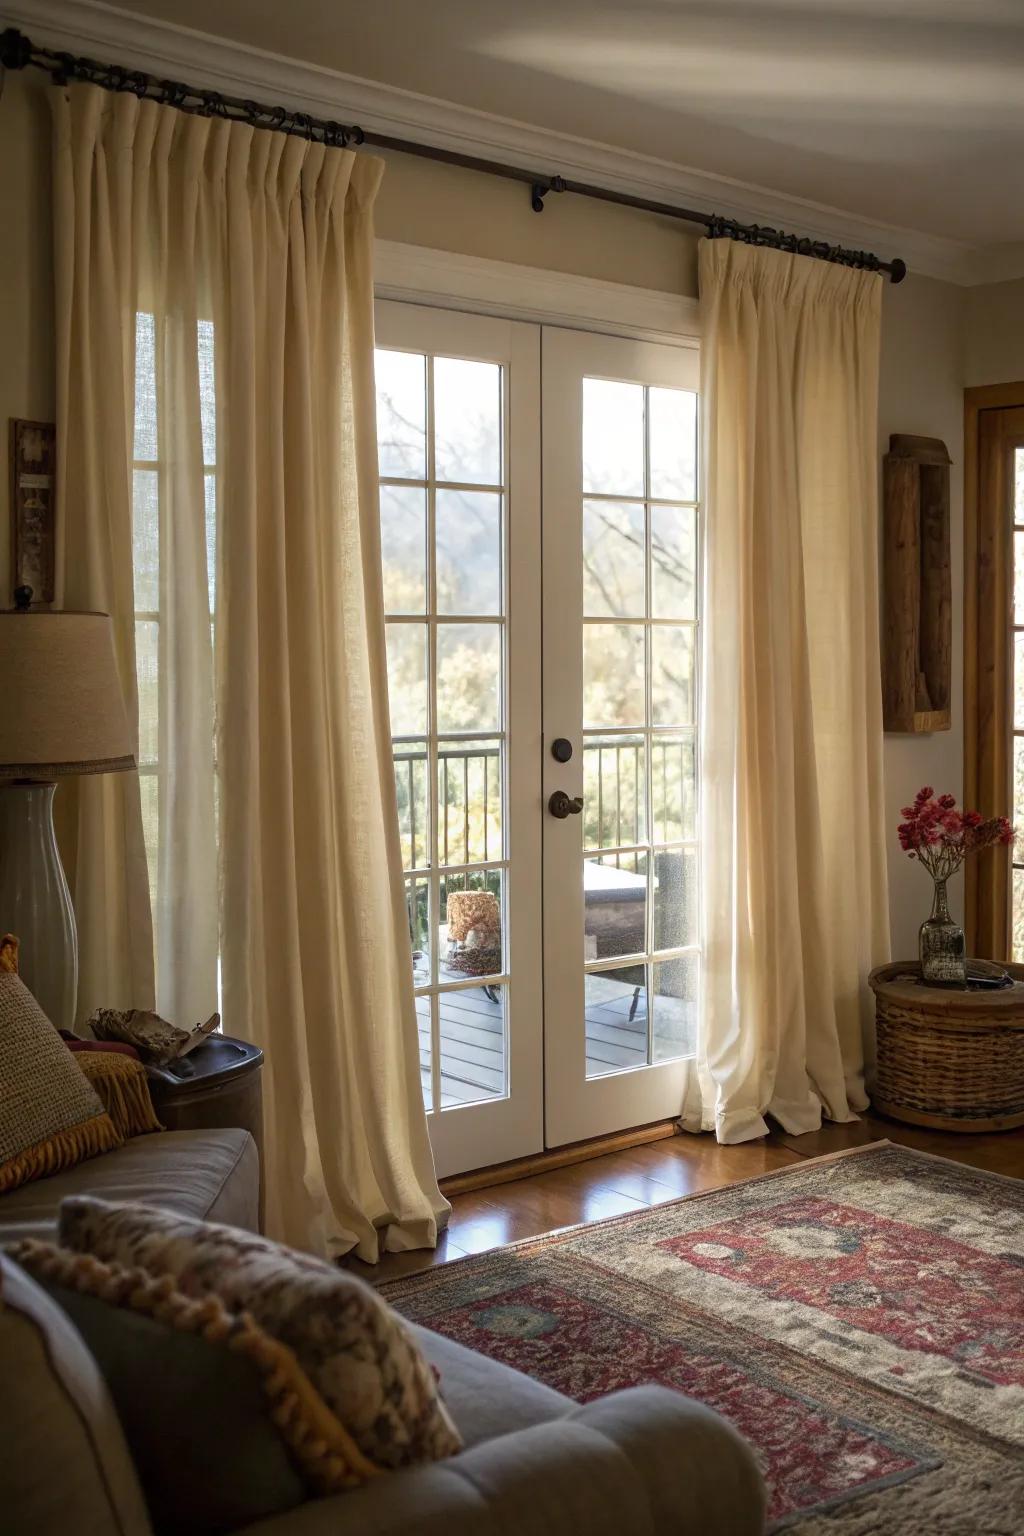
column 634, row 1463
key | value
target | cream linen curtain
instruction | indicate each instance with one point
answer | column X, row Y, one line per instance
column 794, row 888
column 99, row 819
column 253, row 250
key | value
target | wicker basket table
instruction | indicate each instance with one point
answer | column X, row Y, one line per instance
column 949, row 1059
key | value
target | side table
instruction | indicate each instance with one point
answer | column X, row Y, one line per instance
column 949, row 1059
column 216, row 1084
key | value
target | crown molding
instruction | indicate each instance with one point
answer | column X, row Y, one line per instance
column 238, row 69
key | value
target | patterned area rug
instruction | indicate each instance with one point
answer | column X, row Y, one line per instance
column 859, row 1318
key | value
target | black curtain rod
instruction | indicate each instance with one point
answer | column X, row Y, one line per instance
column 19, row 52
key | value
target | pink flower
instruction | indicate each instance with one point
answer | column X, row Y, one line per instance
column 941, row 836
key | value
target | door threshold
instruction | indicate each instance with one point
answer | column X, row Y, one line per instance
column 558, row 1157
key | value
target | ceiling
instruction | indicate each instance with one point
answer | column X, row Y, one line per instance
column 906, row 111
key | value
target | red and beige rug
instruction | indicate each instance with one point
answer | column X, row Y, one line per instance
column 859, row 1318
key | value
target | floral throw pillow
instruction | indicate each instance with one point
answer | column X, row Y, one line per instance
column 356, row 1351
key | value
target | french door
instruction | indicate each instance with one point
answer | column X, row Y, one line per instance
column 542, row 618
column 621, row 546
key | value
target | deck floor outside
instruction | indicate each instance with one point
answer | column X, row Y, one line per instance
column 472, row 1024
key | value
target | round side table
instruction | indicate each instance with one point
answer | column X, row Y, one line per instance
column 948, row 1059
column 217, row 1084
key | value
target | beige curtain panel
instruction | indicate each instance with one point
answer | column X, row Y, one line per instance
column 794, row 884
column 257, row 542
column 99, row 819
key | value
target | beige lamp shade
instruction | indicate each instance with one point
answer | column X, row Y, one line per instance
column 61, row 707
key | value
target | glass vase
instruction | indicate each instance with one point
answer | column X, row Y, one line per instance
column 942, row 945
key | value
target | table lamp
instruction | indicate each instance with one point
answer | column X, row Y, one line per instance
column 61, row 713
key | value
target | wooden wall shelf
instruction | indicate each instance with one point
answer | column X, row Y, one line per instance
column 917, row 631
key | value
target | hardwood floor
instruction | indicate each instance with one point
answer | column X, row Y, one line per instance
column 664, row 1170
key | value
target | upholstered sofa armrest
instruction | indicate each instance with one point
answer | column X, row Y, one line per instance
column 636, row 1463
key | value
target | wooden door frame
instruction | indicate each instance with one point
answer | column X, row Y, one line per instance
column 988, row 574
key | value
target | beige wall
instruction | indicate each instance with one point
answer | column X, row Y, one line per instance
column 440, row 206
column 994, row 334
column 921, row 391
column 450, row 209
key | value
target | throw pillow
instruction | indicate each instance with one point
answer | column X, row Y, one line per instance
column 123, row 1087
column 238, row 1432
column 356, row 1350
column 50, row 1116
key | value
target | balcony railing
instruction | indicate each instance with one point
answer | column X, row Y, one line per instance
column 469, row 797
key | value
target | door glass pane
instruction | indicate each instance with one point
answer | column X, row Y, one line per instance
column 673, row 428
column 613, row 559
column 440, row 419
column 614, row 791
column 147, row 442
column 468, row 677
column 407, row 678
column 469, row 801
column 473, row 1033
column 674, row 788
column 613, row 675
column 1018, row 792
column 1018, row 484
column 413, row 810
column 423, row 1008
column 401, row 414
column 146, row 540
column 615, row 1012
column 147, row 641
column 672, row 680
column 639, row 747
column 149, row 789
column 403, row 547
column 675, row 898
column 674, row 998
column 469, row 941
column 417, row 903
column 673, row 562
column 615, row 906
column 467, row 421
column 468, row 540
column 1018, row 577
column 613, row 437
column 1018, row 682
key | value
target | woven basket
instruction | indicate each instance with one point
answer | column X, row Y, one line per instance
column 950, row 1060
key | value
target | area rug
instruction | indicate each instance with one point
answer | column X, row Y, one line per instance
column 859, row 1318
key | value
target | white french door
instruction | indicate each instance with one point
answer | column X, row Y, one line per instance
column 458, row 401
column 555, row 957
column 621, row 550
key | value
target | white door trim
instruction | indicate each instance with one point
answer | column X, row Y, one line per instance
column 448, row 280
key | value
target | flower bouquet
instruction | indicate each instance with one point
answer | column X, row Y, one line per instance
column 938, row 834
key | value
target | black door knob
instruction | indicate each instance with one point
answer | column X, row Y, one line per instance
column 561, row 749
column 563, row 805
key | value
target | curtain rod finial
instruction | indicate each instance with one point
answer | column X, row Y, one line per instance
column 15, row 49
column 897, row 270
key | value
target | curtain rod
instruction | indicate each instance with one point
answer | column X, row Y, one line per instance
column 19, row 52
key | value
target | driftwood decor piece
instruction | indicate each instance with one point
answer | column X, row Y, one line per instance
column 917, row 632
